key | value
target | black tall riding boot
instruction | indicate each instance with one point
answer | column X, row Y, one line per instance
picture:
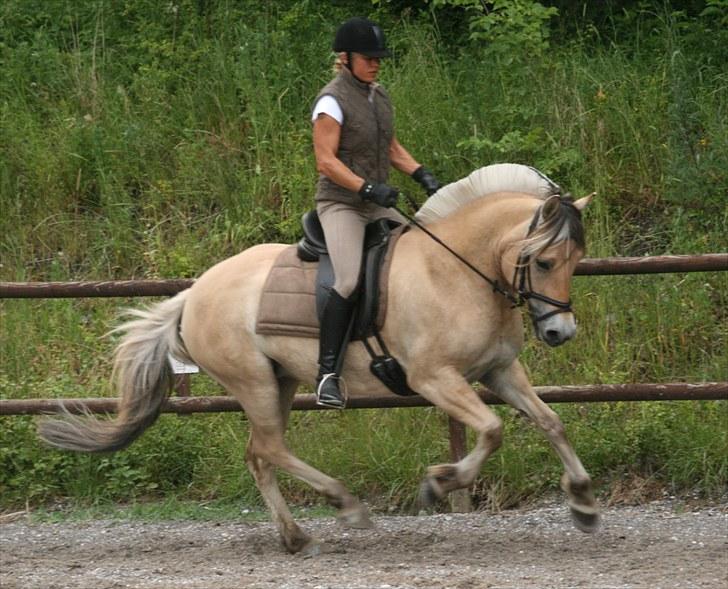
column 335, row 324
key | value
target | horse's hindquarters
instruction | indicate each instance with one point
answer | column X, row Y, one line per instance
column 218, row 324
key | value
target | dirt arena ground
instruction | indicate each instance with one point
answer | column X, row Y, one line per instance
column 658, row 545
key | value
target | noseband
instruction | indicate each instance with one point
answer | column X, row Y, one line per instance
column 521, row 282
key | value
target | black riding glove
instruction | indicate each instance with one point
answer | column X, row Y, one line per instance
column 426, row 180
column 383, row 195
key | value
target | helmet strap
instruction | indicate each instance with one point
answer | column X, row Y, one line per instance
column 349, row 58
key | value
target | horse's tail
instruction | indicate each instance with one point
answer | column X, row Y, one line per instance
column 143, row 379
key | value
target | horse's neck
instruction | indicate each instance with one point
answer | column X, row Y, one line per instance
column 484, row 227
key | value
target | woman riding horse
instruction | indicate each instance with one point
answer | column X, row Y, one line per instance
column 451, row 320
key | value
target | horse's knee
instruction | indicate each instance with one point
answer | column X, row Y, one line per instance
column 250, row 454
column 556, row 430
column 261, row 470
column 251, row 459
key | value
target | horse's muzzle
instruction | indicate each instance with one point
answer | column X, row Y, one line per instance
column 557, row 329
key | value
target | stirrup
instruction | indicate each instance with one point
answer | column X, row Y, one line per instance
column 332, row 402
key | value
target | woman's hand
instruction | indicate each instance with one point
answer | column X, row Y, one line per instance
column 383, row 195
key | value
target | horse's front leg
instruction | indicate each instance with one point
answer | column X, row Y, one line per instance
column 453, row 394
column 512, row 386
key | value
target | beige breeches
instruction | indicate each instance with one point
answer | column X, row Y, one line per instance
column 344, row 226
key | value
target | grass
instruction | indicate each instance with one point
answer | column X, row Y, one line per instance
column 169, row 508
column 140, row 147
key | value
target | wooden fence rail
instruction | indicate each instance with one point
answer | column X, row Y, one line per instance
column 135, row 288
column 550, row 394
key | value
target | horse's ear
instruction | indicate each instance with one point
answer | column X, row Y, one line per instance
column 550, row 207
column 582, row 203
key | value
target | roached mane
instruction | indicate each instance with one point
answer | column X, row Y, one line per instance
column 562, row 222
column 485, row 181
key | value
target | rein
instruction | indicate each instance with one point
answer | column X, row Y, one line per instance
column 521, row 275
column 493, row 283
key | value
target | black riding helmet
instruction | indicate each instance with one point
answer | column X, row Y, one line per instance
column 360, row 35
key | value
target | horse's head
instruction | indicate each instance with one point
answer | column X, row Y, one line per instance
column 541, row 263
column 545, row 262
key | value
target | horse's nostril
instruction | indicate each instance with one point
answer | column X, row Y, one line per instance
column 552, row 335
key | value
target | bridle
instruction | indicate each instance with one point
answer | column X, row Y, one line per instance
column 522, row 275
column 521, row 282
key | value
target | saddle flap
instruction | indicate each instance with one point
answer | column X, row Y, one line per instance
column 376, row 244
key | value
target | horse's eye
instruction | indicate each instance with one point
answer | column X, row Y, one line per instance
column 544, row 265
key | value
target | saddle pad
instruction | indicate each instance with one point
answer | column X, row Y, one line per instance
column 288, row 301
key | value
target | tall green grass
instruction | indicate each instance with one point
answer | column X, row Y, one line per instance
column 139, row 141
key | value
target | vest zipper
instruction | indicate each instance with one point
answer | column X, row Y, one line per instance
column 372, row 92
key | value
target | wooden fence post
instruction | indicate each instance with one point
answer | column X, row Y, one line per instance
column 460, row 501
column 182, row 385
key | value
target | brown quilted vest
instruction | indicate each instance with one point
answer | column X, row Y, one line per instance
column 366, row 134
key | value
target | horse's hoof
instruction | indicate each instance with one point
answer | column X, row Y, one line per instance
column 585, row 519
column 312, row 549
column 430, row 492
column 355, row 517
column 295, row 540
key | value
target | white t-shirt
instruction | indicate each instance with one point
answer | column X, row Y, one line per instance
column 328, row 105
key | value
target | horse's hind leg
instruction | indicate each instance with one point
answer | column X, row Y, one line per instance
column 294, row 539
column 513, row 386
column 267, row 449
column 268, row 445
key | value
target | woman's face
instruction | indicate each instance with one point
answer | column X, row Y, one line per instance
column 365, row 68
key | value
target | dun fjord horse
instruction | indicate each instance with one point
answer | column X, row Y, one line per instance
column 445, row 325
